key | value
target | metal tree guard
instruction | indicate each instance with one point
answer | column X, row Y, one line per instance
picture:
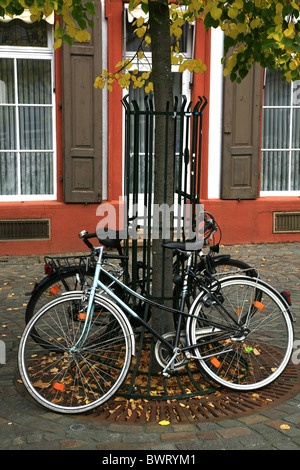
column 138, row 191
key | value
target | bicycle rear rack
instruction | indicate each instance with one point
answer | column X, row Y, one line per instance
column 58, row 263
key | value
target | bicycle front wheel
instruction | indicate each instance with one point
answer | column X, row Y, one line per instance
column 244, row 333
column 75, row 380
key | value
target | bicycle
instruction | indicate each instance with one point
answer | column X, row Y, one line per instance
column 68, row 273
column 75, row 353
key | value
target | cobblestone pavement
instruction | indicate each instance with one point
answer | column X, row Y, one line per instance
column 24, row 425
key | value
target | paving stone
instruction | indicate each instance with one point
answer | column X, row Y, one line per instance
column 34, row 428
column 206, row 435
column 178, row 436
column 72, row 444
column 234, row 432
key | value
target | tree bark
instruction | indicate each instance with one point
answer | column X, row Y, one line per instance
column 164, row 153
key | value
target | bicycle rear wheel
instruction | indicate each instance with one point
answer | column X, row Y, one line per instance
column 249, row 351
column 74, row 381
column 53, row 286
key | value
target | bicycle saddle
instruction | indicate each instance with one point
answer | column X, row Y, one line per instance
column 188, row 245
column 112, row 240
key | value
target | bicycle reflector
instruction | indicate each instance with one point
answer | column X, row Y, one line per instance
column 59, row 387
column 215, row 362
column 259, row 305
column 287, row 296
column 48, row 269
column 54, row 290
column 82, row 316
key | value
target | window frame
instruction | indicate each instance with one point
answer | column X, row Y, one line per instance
column 143, row 64
column 35, row 53
column 289, row 150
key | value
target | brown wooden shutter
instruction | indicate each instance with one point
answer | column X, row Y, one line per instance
column 241, row 136
column 82, row 136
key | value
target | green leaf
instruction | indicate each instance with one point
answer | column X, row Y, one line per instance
column 228, row 42
column 90, row 8
column 209, row 22
column 267, row 44
column 145, row 7
column 68, row 39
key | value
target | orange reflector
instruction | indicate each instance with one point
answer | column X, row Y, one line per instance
column 82, row 316
column 238, row 310
column 59, row 387
column 259, row 305
column 54, row 290
column 215, row 362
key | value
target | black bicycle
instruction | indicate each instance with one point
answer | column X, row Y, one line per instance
column 71, row 273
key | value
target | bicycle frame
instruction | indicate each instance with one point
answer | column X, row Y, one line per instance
column 172, row 347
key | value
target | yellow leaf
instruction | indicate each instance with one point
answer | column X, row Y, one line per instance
column 164, row 423
column 82, row 36
column 140, row 21
column 233, row 12
column 255, row 23
column 140, row 31
column 239, row 4
column 285, row 426
column 216, row 13
column 57, row 44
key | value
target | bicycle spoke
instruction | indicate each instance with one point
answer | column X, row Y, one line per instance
column 69, row 374
column 256, row 354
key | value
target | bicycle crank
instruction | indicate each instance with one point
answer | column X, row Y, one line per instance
column 164, row 356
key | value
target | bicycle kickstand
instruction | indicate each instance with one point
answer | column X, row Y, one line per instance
column 166, row 374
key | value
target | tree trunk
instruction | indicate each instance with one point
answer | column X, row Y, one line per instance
column 163, row 177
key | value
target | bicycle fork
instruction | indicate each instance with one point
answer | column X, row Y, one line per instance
column 90, row 308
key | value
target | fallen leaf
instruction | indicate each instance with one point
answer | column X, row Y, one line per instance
column 164, row 423
column 285, row 426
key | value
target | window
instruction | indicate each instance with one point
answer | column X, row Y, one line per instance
column 27, row 160
column 280, row 163
column 181, row 81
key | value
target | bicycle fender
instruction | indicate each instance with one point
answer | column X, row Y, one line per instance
column 40, row 284
column 221, row 257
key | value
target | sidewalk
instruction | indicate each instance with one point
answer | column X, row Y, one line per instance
column 26, row 426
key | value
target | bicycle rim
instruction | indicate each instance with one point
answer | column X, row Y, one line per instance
column 252, row 360
column 70, row 381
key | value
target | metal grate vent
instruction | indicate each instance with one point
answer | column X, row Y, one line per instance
column 286, row 222
column 24, row 229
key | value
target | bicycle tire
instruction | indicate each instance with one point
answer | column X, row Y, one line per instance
column 241, row 362
column 67, row 381
column 51, row 287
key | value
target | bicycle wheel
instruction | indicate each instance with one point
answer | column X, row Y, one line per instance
column 250, row 349
column 58, row 283
column 69, row 380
